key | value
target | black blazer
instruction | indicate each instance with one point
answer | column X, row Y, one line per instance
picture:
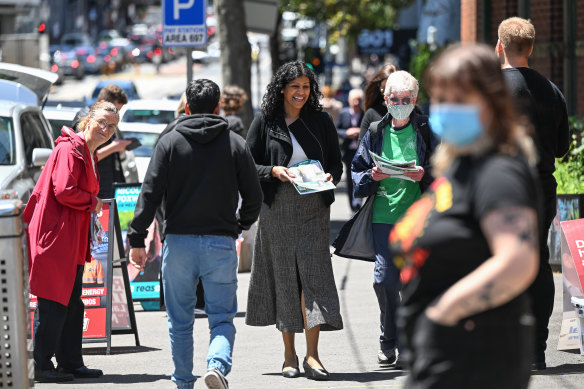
column 343, row 124
column 270, row 144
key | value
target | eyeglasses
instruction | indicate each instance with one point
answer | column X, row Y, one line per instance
column 397, row 100
column 105, row 126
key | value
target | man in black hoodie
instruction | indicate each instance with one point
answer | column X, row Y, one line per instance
column 196, row 173
column 543, row 104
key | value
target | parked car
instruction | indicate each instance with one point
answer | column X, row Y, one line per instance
column 147, row 134
column 127, row 86
column 145, row 120
column 25, row 134
column 149, row 111
column 211, row 54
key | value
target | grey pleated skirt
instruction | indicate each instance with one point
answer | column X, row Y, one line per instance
column 292, row 256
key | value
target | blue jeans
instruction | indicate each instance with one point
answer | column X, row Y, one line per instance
column 186, row 259
column 386, row 285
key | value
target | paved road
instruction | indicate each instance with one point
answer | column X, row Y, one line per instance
column 350, row 354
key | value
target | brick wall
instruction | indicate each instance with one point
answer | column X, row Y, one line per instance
column 468, row 21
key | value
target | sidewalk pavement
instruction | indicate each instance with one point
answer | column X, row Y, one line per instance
column 350, row 355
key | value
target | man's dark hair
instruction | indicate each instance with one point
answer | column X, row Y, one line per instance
column 112, row 94
column 202, row 96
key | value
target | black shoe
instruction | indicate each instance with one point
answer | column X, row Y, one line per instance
column 386, row 357
column 537, row 366
column 292, row 372
column 51, row 376
column 82, row 372
column 315, row 374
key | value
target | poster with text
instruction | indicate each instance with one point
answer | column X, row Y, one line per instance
column 144, row 284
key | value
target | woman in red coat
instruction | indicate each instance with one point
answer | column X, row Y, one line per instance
column 58, row 216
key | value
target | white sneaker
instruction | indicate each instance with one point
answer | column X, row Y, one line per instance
column 214, row 379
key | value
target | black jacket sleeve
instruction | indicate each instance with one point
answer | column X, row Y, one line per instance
column 256, row 139
column 249, row 189
column 563, row 130
column 150, row 196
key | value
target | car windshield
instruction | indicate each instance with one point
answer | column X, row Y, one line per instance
column 7, row 145
column 148, row 140
column 152, row 116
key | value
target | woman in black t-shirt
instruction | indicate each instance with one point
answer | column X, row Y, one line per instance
column 468, row 249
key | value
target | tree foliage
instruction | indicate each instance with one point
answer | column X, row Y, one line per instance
column 348, row 17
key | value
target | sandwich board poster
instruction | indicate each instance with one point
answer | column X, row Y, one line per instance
column 145, row 285
column 108, row 305
column 572, row 252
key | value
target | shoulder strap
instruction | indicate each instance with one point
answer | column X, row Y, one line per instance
column 425, row 132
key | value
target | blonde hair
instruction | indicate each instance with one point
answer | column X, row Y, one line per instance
column 517, row 35
column 181, row 104
column 99, row 106
column 327, row 91
column 401, row 81
column 232, row 99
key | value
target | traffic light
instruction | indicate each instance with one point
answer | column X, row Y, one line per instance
column 313, row 56
column 42, row 28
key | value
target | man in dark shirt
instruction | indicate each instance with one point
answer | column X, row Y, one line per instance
column 109, row 164
column 544, row 105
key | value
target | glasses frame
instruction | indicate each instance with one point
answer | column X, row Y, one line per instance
column 104, row 125
column 397, row 100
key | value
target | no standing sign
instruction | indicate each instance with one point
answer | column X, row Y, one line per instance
column 184, row 23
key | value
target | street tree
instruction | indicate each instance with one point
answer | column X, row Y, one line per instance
column 348, row 17
column 235, row 50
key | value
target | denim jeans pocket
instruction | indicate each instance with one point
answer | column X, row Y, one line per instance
column 222, row 243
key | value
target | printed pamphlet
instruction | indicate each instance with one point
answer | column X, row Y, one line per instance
column 309, row 177
column 395, row 169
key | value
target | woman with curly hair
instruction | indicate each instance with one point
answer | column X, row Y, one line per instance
column 292, row 283
column 374, row 104
column 231, row 102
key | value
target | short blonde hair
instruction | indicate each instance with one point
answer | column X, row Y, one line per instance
column 180, row 110
column 401, row 81
column 98, row 106
column 517, row 35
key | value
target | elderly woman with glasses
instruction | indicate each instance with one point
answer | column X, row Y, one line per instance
column 402, row 135
column 58, row 214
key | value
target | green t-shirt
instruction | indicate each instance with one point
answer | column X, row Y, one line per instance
column 395, row 195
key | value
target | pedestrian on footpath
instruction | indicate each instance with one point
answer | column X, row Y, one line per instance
column 543, row 104
column 403, row 135
column 468, row 249
column 109, row 163
column 231, row 102
column 58, row 214
column 374, row 104
column 292, row 283
column 195, row 174
column 348, row 126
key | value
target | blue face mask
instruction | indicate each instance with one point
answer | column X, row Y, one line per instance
column 457, row 124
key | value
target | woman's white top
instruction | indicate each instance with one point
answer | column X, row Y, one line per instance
column 298, row 153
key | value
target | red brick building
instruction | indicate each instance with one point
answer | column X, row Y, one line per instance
column 559, row 40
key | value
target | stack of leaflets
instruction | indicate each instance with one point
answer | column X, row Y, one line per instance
column 395, row 169
column 309, row 177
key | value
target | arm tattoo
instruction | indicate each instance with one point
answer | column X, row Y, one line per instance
column 516, row 221
column 486, row 295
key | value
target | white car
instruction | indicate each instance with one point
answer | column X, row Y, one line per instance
column 149, row 111
column 145, row 120
column 147, row 134
column 25, row 134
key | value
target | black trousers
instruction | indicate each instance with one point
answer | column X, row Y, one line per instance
column 542, row 290
column 58, row 330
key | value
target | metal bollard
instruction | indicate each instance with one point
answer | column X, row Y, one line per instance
column 16, row 363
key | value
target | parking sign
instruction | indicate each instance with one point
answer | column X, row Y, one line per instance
column 184, row 23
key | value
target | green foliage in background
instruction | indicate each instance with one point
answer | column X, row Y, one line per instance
column 570, row 169
column 348, row 17
column 418, row 65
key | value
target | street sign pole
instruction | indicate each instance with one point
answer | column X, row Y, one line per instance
column 185, row 24
column 189, row 65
